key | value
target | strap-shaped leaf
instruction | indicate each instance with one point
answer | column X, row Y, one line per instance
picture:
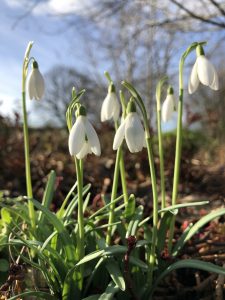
column 133, row 225
column 93, row 297
column 164, row 226
column 90, row 257
column 114, row 271
column 173, row 209
column 48, row 195
column 110, row 291
column 64, row 235
column 195, row 228
column 189, row 263
column 130, row 207
column 139, row 263
column 39, row 295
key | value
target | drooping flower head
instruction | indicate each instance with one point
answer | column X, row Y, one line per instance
column 203, row 71
column 132, row 130
column 110, row 106
column 83, row 139
column 168, row 106
column 36, row 84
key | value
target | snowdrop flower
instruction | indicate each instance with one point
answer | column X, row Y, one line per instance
column 83, row 139
column 132, row 130
column 36, row 84
column 110, row 106
column 168, row 106
column 203, row 71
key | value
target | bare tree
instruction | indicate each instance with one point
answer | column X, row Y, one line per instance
column 59, row 83
column 138, row 40
column 210, row 12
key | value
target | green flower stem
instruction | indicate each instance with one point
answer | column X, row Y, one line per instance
column 122, row 167
column 123, row 104
column 113, row 195
column 179, row 138
column 26, row 137
column 122, row 172
column 82, row 173
column 80, row 219
column 161, row 155
column 141, row 105
column 74, row 104
column 123, row 178
column 155, row 208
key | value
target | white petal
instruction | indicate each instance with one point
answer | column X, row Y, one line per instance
column 77, row 136
column 116, row 107
column 110, row 100
column 168, row 108
column 193, row 80
column 215, row 84
column 206, row 71
column 85, row 150
column 30, row 85
column 103, row 112
column 119, row 136
column 134, row 133
column 92, row 138
column 108, row 106
column 39, row 84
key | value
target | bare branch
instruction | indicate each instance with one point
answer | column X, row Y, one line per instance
column 198, row 17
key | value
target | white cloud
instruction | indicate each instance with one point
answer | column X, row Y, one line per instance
column 58, row 6
column 51, row 6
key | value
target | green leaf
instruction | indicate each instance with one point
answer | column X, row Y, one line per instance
column 116, row 249
column 35, row 246
column 64, row 235
column 142, row 243
column 133, row 224
column 60, row 212
column 189, row 263
column 90, row 278
column 195, row 228
column 139, row 263
column 110, row 291
column 49, row 190
column 19, row 210
column 5, row 215
column 89, row 257
column 4, row 265
column 111, row 250
column 115, row 273
column 164, row 226
column 93, row 297
column 48, row 194
column 173, row 208
column 86, row 201
column 130, row 207
column 73, row 203
column 39, row 295
column 105, row 207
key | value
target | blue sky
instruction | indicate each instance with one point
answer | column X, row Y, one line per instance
column 51, row 46
column 48, row 49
